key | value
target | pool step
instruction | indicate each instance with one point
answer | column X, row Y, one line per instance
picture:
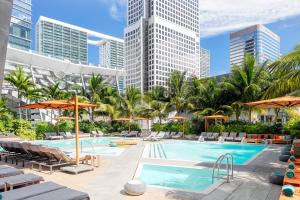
column 157, row 151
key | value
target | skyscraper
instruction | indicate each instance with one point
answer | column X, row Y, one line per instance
column 61, row 41
column 66, row 41
column 256, row 40
column 204, row 63
column 20, row 25
column 161, row 36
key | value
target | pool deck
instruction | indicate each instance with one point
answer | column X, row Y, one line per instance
column 106, row 182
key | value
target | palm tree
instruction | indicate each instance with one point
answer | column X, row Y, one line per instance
column 208, row 98
column 30, row 94
column 5, row 112
column 95, row 93
column 21, row 81
column 52, row 92
column 129, row 102
column 178, row 91
column 247, row 82
column 287, row 70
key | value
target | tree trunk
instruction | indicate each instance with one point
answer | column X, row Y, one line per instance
column 250, row 111
column 20, row 117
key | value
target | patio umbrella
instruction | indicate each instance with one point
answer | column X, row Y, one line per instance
column 70, row 104
column 141, row 119
column 285, row 101
column 206, row 118
column 60, row 118
column 179, row 118
column 124, row 119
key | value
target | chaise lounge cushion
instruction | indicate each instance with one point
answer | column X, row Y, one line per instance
column 10, row 171
column 62, row 194
column 31, row 191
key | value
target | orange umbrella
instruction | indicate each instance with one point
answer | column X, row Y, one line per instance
column 123, row 119
column 179, row 118
column 63, row 118
column 71, row 104
column 206, row 118
column 285, row 101
column 59, row 118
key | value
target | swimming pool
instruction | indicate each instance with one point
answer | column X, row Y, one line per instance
column 92, row 146
column 183, row 178
column 202, row 152
column 70, row 143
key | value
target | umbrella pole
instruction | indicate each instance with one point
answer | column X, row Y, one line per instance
column 76, row 129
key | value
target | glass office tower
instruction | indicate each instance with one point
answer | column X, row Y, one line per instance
column 204, row 63
column 20, row 26
column 256, row 40
column 161, row 36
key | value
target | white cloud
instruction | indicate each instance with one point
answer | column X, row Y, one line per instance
column 219, row 16
column 117, row 8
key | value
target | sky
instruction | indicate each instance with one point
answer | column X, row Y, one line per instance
column 217, row 19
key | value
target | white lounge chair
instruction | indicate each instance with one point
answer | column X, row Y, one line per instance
column 150, row 137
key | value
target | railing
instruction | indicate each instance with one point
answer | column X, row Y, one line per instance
column 91, row 144
column 218, row 165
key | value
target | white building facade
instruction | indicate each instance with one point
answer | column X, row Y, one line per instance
column 258, row 41
column 161, row 36
column 204, row 63
column 66, row 41
column 46, row 70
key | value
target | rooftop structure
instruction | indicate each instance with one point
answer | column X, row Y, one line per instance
column 256, row 40
column 46, row 70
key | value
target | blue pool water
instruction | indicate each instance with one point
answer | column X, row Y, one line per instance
column 196, row 179
column 85, row 142
column 202, row 152
column 91, row 146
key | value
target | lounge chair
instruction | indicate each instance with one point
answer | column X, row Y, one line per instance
column 31, row 191
column 83, row 135
column 99, row 133
column 178, row 135
column 214, row 136
column 62, row 194
column 10, row 171
column 68, row 135
column 132, row 134
column 202, row 137
column 53, row 136
column 224, row 134
column 231, row 136
column 20, row 180
column 240, row 137
column 61, row 160
column 254, row 138
column 281, row 139
column 151, row 136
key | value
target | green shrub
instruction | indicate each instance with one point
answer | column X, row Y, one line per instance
column 87, row 126
column 292, row 127
column 124, row 126
column 43, row 127
column 217, row 128
column 157, row 127
column 26, row 134
column 104, row 126
column 65, row 126
column 16, row 124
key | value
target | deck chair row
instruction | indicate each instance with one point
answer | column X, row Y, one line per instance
column 42, row 156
